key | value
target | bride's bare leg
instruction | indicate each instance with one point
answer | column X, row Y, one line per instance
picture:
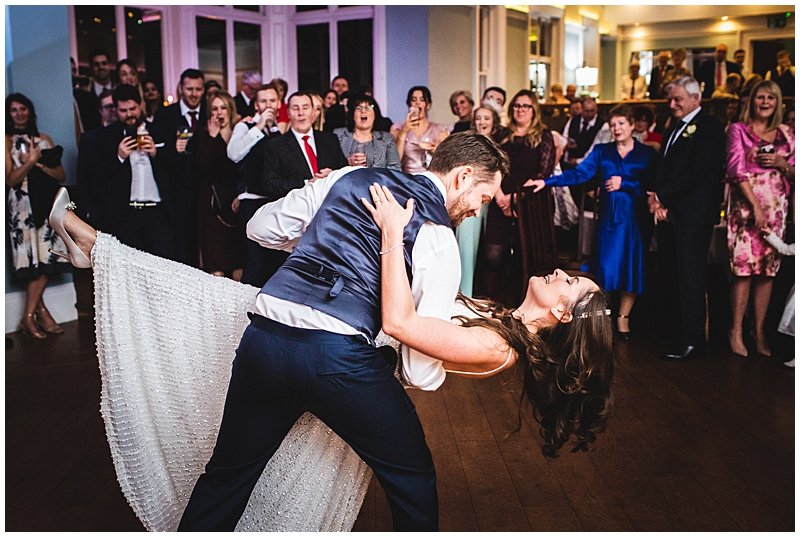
column 82, row 233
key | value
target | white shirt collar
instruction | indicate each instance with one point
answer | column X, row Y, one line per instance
column 185, row 109
column 245, row 97
column 690, row 116
column 438, row 182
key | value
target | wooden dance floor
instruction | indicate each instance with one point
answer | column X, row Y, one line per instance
column 706, row 445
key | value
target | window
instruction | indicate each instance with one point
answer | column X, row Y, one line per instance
column 334, row 40
column 143, row 37
column 247, row 49
column 211, row 49
column 355, row 52
column 95, row 29
column 313, row 57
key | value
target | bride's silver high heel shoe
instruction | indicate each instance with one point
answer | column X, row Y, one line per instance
column 61, row 205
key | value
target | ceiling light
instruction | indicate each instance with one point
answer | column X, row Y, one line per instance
column 725, row 18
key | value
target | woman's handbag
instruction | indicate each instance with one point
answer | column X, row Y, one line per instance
column 221, row 200
column 41, row 187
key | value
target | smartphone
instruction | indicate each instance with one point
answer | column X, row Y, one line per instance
column 766, row 149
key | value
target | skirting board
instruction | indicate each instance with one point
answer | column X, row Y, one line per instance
column 60, row 300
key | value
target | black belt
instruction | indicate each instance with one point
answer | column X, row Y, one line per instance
column 143, row 204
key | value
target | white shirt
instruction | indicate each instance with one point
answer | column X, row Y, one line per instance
column 185, row 113
column 302, row 144
column 639, row 88
column 685, row 120
column 436, row 270
column 242, row 141
column 143, row 182
column 99, row 88
column 245, row 97
column 243, row 138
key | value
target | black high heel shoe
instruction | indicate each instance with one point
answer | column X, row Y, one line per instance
column 626, row 335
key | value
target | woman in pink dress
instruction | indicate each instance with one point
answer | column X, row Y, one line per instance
column 417, row 137
column 761, row 168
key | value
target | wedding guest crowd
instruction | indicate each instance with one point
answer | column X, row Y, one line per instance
column 182, row 180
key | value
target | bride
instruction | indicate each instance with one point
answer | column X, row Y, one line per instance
column 167, row 333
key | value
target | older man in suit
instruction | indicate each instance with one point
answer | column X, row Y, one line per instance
column 685, row 200
column 300, row 156
column 714, row 72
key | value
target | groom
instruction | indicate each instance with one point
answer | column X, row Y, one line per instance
column 310, row 345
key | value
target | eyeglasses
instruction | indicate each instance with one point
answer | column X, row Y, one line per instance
column 107, row 107
column 365, row 107
column 520, row 106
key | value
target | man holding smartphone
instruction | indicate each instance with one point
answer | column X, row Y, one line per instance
column 135, row 187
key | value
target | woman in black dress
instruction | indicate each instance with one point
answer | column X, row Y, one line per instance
column 531, row 150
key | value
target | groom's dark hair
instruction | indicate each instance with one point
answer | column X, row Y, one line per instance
column 470, row 149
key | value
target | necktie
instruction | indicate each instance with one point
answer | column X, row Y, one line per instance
column 312, row 158
column 193, row 115
column 633, row 86
column 719, row 74
column 673, row 137
column 584, row 124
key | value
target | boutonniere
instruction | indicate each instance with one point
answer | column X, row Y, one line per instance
column 689, row 132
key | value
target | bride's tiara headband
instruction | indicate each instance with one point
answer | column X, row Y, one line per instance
column 598, row 313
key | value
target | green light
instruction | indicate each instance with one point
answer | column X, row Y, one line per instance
column 788, row 14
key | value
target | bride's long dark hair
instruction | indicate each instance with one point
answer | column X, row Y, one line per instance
column 567, row 367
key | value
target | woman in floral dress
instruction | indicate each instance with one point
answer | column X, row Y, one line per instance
column 31, row 235
column 761, row 168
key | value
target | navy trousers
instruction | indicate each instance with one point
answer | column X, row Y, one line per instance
column 281, row 372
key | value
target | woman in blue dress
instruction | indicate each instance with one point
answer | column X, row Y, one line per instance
column 622, row 166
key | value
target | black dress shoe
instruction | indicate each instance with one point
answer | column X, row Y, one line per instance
column 686, row 352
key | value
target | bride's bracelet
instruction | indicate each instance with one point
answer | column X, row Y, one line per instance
column 395, row 247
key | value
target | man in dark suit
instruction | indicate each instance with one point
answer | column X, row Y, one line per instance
column 714, row 72
column 581, row 133
column 301, row 155
column 132, row 179
column 685, row 199
column 657, row 76
column 188, row 113
column 245, row 106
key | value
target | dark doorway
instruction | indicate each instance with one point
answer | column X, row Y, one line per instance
column 764, row 53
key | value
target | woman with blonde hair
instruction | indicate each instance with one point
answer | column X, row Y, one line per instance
column 530, row 148
column 221, row 247
column 761, row 170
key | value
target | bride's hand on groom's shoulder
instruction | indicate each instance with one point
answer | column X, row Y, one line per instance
column 387, row 213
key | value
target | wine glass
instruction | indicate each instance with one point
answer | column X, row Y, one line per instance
column 426, row 143
column 184, row 133
column 358, row 152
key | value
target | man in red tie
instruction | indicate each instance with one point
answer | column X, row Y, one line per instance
column 300, row 156
column 714, row 71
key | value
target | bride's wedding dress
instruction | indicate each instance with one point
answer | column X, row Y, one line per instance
column 166, row 338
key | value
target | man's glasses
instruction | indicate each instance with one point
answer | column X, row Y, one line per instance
column 364, row 108
column 520, row 106
column 108, row 107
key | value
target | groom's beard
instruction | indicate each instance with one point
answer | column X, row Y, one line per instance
column 459, row 211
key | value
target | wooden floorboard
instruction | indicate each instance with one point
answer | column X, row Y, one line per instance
column 706, row 445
